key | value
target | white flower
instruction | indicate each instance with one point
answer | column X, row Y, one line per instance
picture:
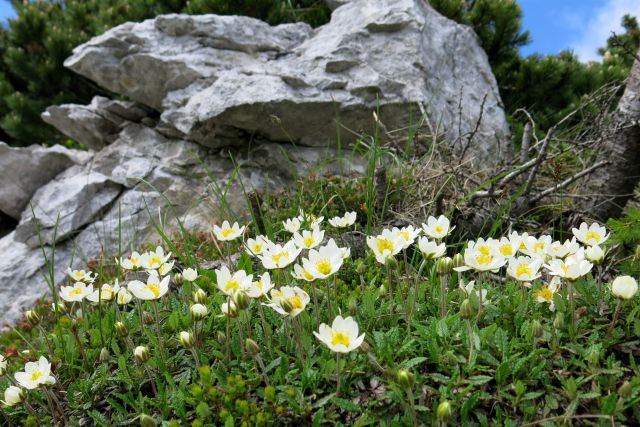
column 547, row 291
column 524, row 268
column 276, row 256
column 482, row 256
column 131, row 263
column 3, row 365
column 35, row 374
column 261, row 286
column 385, row 245
column 81, row 275
column 228, row 232
column 154, row 259
column 152, row 290
column 190, row 274
column 257, row 245
column 13, row 395
column 430, row 249
column 594, row 234
column 595, row 254
column 508, row 246
column 407, row 235
column 166, row 268
column 332, row 246
column 560, row 250
column 300, row 273
column 124, row 296
column 292, row 225
column 323, row 262
column 624, row 287
column 229, row 309
column 309, row 238
column 571, row 268
column 347, row 220
column 437, row 228
column 288, row 301
column 535, row 247
column 468, row 290
column 77, row 292
column 106, row 293
column 341, row 336
column 230, row 284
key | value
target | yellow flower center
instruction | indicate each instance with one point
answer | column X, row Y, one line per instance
column 257, row 248
column 506, row 250
column 405, row 234
column 307, row 275
column 155, row 261
column 438, row 229
column 296, row 302
column 565, row 268
column 338, row 337
column 76, row 291
column 323, row 266
column 276, row 257
column 226, row 232
column 78, row 275
column 309, row 241
column 385, row 244
column 232, row 284
column 545, row 293
column 484, row 259
column 134, row 261
column 523, row 269
column 592, row 235
column 35, row 375
column 155, row 288
column 484, row 249
column 538, row 247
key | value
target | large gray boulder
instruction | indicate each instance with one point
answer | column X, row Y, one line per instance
column 219, row 80
column 24, row 170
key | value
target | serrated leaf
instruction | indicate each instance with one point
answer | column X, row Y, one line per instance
column 408, row 364
column 345, row 404
column 479, row 379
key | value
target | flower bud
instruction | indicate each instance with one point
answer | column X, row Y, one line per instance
column 59, row 308
column 536, row 328
column 190, row 274
column 230, row 309
column 624, row 391
column 444, row 265
column 200, row 296
column 382, row 290
column 444, row 411
column 595, row 254
column 104, row 355
column 141, row 354
column 32, row 317
column 558, row 322
column 178, row 279
column 624, row 287
column 242, row 300
column 286, row 305
column 404, row 378
column 361, row 268
column 221, row 337
column 199, row 311
column 147, row 421
column 121, row 329
column 466, row 309
column 13, row 395
column 391, row 262
column 458, row 261
column 147, row 318
column 252, row 347
column 187, row 339
column 352, row 307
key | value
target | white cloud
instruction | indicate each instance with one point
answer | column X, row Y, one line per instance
column 603, row 20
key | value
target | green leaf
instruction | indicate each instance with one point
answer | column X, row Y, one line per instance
column 413, row 362
column 345, row 404
column 479, row 379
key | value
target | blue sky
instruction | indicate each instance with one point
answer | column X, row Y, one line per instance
column 579, row 25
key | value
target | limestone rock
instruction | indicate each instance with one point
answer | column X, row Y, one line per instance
column 24, row 170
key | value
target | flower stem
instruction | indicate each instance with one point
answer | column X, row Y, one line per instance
column 32, row 412
column 572, row 309
column 265, row 327
column 443, row 295
column 338, row 374
column 616, row 313
column 470, row 333
column 412, row 405
column 194, row 353
column 227, row 341
column 316, row 307
column 160, row 343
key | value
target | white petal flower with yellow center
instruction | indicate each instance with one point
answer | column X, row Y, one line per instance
column 385, row 245
column 106, row 293
column 560, row 250
column 323, row 262
column 309, row 239
column 591, row 235
column 437, row 228
column 508, row 246
column 407, row 235
column 166, row 268
column 229, row 283
column 524, row 268
column 482, row 256
column 332, row 246
column 153, row 260
column 300, row 273
column 123, row 296
column 257, row 246
column 152, row 290
column 547, row 291
column 430, row 249
column 35, row 374
column 288, row 301
column 347, row 220
column 536, row 247
column 81, row 275
column 260, row 287
column 341, row 336
column 277, row 256
column 292, row 225
column 131, row 263
column 227, row 232
column 571, row 268
column 77, row 292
